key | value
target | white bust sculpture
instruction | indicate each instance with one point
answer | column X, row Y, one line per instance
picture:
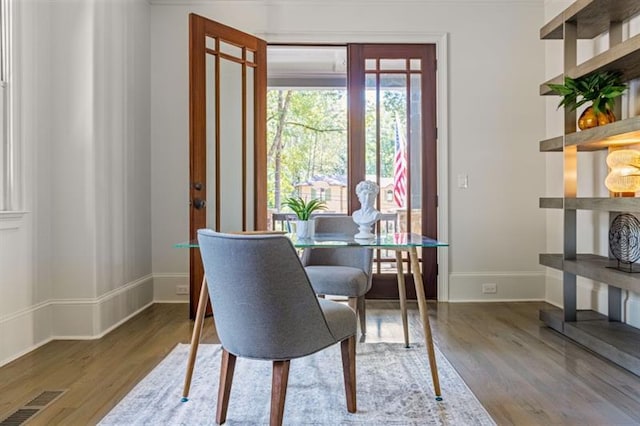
column 367, row 215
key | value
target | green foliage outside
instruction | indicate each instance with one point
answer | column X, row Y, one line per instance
column 307, row 137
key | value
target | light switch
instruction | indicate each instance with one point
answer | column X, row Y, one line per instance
column 463, row 181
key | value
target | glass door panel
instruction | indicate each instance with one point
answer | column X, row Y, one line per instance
column 230, row 162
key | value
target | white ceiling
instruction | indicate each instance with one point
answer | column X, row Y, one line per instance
column 306, row 61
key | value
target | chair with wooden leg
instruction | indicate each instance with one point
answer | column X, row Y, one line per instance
column 265, row 308
column 340, row 271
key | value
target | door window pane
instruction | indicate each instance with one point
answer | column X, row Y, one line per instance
column 415, row 154
column 210, row 124
column 230, row 162
column 393, row 64
column 231, row 49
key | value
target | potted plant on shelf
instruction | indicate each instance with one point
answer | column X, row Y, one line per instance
column 303, row 210
column 600, row 88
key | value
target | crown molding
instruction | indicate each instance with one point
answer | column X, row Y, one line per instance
column 354, row 2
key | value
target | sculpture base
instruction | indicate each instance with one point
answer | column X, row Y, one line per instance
column 365, row 232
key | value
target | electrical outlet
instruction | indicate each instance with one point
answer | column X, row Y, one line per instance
column 182, row 289
column 489, row 288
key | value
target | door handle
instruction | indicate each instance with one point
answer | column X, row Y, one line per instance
column 199, row 203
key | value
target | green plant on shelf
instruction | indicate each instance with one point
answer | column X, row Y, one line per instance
column 600, row 88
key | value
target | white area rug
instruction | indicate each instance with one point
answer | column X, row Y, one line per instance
column 394, row 387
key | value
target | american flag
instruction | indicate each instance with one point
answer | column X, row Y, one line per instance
column 399, row 170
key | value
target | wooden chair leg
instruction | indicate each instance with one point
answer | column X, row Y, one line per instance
column 362, row 314
column 278, row 391
column 348, row 347
column 227, row 368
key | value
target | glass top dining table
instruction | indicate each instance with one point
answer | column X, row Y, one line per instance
column 398, row 242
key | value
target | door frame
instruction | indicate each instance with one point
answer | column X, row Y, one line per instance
column 441, row 40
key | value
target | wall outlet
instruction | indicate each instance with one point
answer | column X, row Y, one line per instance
column 489, row 288
column 182, row 289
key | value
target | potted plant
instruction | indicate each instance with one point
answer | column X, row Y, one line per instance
column 600, row 88
column 303, row 210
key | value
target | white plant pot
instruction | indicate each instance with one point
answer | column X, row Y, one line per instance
column 305, row 228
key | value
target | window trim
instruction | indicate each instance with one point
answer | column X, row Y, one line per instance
column 10, row 195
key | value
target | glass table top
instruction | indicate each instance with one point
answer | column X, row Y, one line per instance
column 394, row 240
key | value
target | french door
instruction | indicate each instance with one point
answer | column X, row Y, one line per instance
column 392, row 133
column 227, row 125
column 228, row 187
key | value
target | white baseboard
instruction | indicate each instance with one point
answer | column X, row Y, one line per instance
column 24, row 331
column 511, row 286
column 37, row 325
column 164, row 287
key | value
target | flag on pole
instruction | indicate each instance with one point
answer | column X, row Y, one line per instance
column 399, row 169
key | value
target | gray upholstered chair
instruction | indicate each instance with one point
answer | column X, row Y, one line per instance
column 264, row 308
column 340, row 271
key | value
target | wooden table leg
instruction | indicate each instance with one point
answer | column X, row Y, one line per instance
column 422, row 306
column 195, row 337
column 403, row 297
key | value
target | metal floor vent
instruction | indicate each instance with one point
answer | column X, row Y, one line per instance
column 23, row 414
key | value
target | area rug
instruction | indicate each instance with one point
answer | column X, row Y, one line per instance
column 394, row 387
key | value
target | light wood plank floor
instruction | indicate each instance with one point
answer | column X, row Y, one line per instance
column 521, row 371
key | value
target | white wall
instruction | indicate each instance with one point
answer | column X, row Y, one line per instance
column 79, row 261
column 103, row 126
column 592, row 226
column 495, row 63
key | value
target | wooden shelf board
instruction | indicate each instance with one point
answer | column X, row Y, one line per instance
column 617, row 134
column 615, row 341
column 591, row 16
column 623, row 57
column 595, row 268
column 551, row 202
column 545, row 90
column 623, row 204
column 552, row 145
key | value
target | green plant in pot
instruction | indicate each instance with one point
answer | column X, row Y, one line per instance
column 303, row 210
column 600, row 88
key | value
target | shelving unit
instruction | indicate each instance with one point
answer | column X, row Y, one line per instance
column 605, row 335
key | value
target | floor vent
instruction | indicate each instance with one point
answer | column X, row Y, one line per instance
column 19, row 417
column 31, row 408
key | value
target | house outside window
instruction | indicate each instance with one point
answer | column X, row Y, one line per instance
column 389, row 196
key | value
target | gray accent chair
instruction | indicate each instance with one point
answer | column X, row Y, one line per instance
column 340, row 271
column 265, row 308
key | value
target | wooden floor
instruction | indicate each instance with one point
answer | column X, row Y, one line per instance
column 521, row 371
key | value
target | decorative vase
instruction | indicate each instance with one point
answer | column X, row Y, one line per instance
column 588, row 118
column 305, row 228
